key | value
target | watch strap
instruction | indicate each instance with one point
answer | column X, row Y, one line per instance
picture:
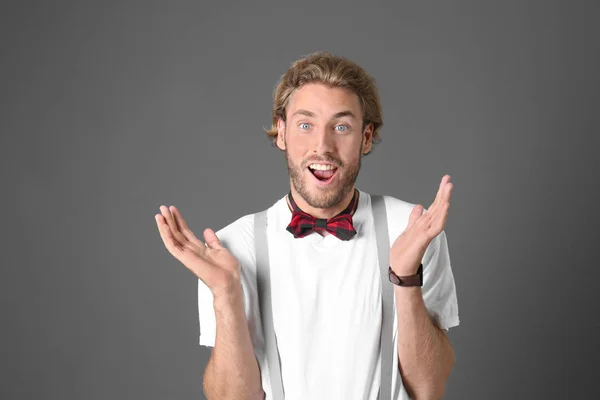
column 411, row 280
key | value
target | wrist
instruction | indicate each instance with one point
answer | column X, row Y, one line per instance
column 402, row 270
column 228, row 298
column 415, row 279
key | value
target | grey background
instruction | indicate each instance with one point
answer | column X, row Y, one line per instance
column 110, row 109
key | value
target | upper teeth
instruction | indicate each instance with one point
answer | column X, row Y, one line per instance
column 322, row 167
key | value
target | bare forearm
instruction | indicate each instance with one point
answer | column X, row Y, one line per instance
column 232, row 372
column 425, row 354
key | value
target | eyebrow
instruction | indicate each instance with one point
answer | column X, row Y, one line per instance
column 346, row 113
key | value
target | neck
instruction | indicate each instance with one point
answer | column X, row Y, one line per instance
column 321, row 212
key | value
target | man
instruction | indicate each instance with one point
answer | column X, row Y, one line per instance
column 326, row 284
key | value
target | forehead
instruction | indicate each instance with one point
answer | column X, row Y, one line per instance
column 324, row 101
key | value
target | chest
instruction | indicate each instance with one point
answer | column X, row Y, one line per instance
column 321, row 286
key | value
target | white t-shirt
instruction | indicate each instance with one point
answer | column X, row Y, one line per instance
column 326, row 296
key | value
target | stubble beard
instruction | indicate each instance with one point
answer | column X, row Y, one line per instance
column 326, row 197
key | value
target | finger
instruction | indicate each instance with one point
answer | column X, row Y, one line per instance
column 166, row 213
column 177, row 224
column 442, row 214
column 441, row 193
column 443, row 198
column 441, row 188
column 448, row 193
column 183, row 227
column 167, row 236
column 211, row 239
column 416, row 212
column 445, row 205
column 439, row 223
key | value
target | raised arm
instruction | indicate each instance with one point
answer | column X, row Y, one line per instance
column 232, row 371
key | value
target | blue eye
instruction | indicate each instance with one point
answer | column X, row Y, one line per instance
column 342, row 126
column 304, row 123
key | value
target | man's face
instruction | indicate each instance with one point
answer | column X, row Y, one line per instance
column 323, row 127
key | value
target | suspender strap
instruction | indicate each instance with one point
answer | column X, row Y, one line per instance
column 266, row 312
column 263, row 283
column 387, row 295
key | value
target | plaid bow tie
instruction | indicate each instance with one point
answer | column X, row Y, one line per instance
column 341, row 225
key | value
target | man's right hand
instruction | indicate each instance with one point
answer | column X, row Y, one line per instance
column 210, row 262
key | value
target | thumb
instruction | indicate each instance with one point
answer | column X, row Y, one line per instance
column 211, row 239
column 416, row 212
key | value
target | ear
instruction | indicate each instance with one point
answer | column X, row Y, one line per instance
column 367, row 138
column 281, row 134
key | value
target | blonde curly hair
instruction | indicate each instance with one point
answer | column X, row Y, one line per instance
column 334, row 71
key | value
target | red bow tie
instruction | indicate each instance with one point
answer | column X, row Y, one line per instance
column 341, row 225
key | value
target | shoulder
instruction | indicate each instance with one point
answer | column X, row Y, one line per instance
column 238, row 237
column 397, row 206
column 239, row 230
column 398, row 211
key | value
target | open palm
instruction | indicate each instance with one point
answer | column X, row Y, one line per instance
column 210, row 261
column 408, row 249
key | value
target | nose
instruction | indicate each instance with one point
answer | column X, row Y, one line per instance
column 324, row 142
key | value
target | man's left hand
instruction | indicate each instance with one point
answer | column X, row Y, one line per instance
column 408, row 249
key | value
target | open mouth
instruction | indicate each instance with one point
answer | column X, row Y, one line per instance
column 323, row 176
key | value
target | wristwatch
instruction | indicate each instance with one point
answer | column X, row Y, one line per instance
column 411, row 280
